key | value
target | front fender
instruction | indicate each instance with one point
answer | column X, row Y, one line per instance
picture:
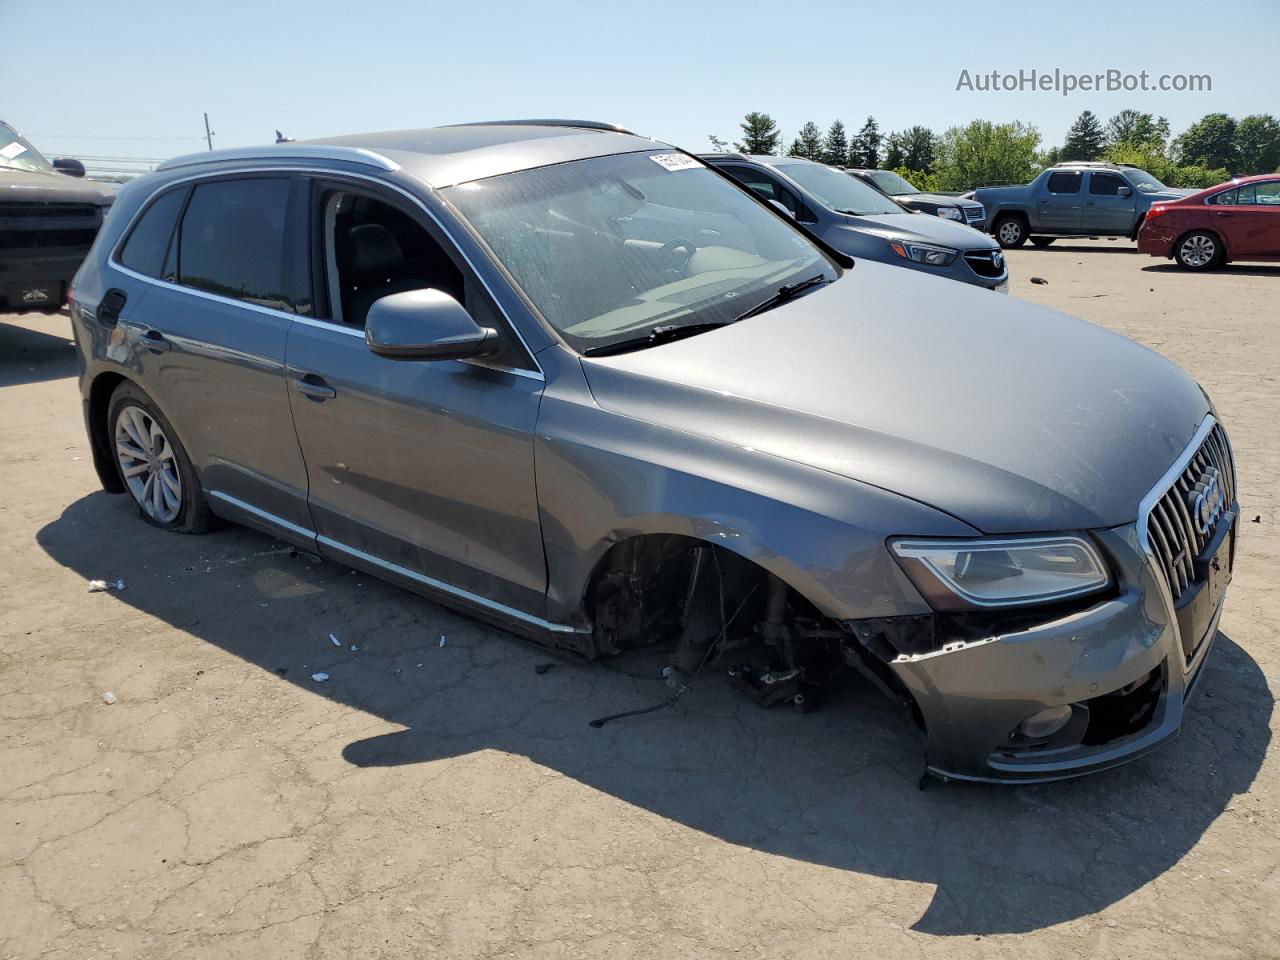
column 603, row 477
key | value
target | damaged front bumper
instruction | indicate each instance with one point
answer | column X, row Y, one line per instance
column 1119, row 666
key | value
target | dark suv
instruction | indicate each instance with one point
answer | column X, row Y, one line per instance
column 47, row 224
column 935, row 204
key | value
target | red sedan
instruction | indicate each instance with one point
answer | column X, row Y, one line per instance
column 1239, row 220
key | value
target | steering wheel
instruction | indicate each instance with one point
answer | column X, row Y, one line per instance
column 679, row 243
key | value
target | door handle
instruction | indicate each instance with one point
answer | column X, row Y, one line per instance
column 1223, row 213
column 313, row 387
column 154, row 341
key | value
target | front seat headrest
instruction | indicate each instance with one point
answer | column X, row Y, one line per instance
column 375, row 254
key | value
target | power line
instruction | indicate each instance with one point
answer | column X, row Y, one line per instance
column 67, row 136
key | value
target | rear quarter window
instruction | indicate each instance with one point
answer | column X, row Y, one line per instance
column 150, row 240
column 1065, row 182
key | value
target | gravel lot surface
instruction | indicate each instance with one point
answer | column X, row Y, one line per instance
column 451, row 800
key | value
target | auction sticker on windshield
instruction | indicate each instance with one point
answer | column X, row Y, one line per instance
column 674, row 161
column 11, row 150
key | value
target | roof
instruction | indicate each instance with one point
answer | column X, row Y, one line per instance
column 442, row 156
column 769, row 158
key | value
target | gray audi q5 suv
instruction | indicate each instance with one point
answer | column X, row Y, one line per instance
column 573, row 381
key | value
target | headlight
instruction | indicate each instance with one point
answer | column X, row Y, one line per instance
column 923, row 252
column 950, row 213
column 963, row 574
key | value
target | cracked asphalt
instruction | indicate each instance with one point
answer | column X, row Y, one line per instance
column 451, row 800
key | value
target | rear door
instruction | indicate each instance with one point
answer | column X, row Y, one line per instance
column 208, row 339
column 423, row 468
column 1252, row 225
column 1060, row 202
column 1105, row 209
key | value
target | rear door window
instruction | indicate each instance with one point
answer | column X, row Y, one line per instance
column 232, row 241
column 1105, row 184
column 1227, row 198
column 1065, row 182
column 151, row 238
column 1267, row 193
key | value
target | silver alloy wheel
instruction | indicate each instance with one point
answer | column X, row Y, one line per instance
column 1198, row 250
column 148, row 464
column 1010, row 231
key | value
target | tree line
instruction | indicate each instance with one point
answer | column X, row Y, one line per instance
column 982, row 153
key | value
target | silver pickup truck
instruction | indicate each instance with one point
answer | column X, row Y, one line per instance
column 1073, row 200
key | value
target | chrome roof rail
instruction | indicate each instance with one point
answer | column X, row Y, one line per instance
column 544, row 122
column 285, row 151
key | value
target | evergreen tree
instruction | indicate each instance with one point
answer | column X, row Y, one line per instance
column 919, row 148
column 835, row 146
column 1136, row 129
column 894, row 155
column 864, row 150
column 809, row 142
column 759, row 134
column 1085, row 140
column 718, row 145
column 1258, row 144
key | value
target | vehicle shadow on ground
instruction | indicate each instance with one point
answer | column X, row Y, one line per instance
column 32, row 356
column 1238, row 269
column 837, row 787
column 1120, row 246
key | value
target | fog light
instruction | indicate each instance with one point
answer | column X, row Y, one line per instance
column 1045, row 723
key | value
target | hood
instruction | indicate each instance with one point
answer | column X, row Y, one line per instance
column 923, row 227
column 24, row 186
column 1009, row 416
column 1171, row 193
column 935, row 199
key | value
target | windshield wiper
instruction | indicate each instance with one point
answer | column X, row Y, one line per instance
column 785, row 293
column 655, row 336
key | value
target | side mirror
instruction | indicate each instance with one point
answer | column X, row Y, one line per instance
column 782, row 208
column 69, row 165
column 1124, row 191
column 425, row 325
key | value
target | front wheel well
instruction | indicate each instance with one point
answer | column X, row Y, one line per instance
column 100, row 392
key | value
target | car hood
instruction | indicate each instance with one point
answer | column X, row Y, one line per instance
column 919, row 226
column 1171, row 193
column 24, row 186
column 1006, row 415
column 937, row 199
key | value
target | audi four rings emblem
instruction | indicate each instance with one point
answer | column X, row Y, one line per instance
column 1206, row 501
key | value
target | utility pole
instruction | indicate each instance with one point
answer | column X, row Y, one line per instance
column 208, row 134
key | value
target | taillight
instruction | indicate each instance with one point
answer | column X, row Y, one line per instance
column 1156, row 211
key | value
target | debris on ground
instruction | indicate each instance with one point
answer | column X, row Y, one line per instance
column 543, row 668
column 354, row 648
column 443, row 638
column 101, row 586
column 1040, row 280
column 319, row 677
column 336, row 642
column 1258, row 518
column 108, row 697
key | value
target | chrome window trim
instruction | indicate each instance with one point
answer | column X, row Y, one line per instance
column 113, row 259
column 361, row 155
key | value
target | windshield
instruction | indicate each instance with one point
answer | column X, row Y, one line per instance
column 892, row 184
column 1144, row 181
column 610, row 247
column 17, row 154
column 838, row 190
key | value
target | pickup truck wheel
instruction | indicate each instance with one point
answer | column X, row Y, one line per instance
column 1042, row 241
column 1199, row 250
column 1011, row 232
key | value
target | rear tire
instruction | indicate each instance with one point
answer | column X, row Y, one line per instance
column 1010, row 232
column 1042, row 241
column 1199, row 250
column 152, row 464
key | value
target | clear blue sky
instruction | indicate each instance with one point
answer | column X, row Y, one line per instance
column 674, row 70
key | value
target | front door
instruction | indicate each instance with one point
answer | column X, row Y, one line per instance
column 1109, row 206
column 423, row 468
column 1060, row 203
